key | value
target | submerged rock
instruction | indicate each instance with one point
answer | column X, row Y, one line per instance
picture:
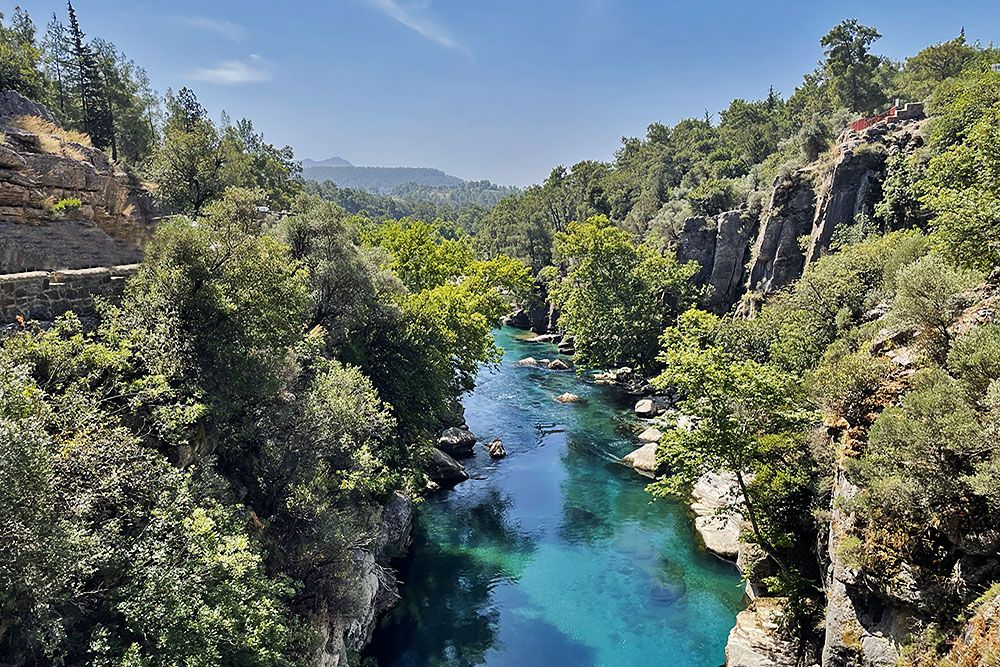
column 496, row 449
column 568, row 398
column 443, row 471
column 457, row 442
column 643, row 460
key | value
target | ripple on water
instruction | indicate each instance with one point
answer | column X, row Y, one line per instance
column 556, row 556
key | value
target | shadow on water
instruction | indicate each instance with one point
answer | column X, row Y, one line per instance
column 554, row 555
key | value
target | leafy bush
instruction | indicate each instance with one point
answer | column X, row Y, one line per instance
column 930, row 294
column 66, row 206
column 712, row 196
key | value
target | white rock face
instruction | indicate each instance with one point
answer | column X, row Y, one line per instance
column 754, row 640
column 651, row 434
column 711, row 497
column 643, row 459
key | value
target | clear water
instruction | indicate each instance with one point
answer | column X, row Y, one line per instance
column 555, row 555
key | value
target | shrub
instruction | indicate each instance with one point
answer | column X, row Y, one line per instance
column 974, row 360
column 66, row 206
column 929, row 297
column 712, row 196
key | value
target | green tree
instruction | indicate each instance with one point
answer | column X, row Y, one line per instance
column 188, row 164
column 850, row 68
column 616, row 297
column 749, row 420
column 20, row 57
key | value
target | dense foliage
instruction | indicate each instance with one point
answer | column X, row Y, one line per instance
column 187, row 483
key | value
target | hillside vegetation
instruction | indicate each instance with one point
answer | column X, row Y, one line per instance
column 198, row 477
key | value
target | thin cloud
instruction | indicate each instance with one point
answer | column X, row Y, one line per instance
column 233, row 72
column 413, row 18
column 228, row 30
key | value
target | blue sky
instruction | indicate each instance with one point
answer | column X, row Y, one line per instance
column 502, row 90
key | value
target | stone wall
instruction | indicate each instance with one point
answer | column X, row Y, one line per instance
column 44, row 295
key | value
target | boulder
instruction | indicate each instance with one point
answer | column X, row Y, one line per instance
column 651, row 434
column 457, row 442
column 558, row 365
column 719, row 526
column 567, row 345
column 527, row 361
column 643, row 460
column 545, row 338
column 756, row 640
column 496, row 449
column 568, row 398
column 647, row 408
column 443, row 471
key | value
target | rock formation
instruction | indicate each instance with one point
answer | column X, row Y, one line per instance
column 340, row 632
column 41, row 166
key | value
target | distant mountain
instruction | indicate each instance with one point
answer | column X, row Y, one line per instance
column 380, row 180
column 335, row 161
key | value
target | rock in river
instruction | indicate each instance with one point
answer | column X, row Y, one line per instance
column 558, row 365
column 457, row 442
column 647, row 408
column 651, row 434
column 643, row 459
column 496, row 449
column 445, row 472
column 568, row 398
column 527, row 361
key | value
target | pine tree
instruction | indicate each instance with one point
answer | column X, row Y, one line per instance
column 96, row 115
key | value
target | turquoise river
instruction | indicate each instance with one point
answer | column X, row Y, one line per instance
column 555, row 555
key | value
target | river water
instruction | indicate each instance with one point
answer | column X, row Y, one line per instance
column 555, row 555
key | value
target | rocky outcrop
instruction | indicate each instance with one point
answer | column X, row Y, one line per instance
column 718, row 525
column 37, row 170
column 757, row 641
column 860, row 628
column 721, row 245
column 443, row 471
column 456, row 442
column 777, row 259
column 376, row 590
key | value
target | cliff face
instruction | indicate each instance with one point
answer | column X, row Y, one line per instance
column 721, row 245
column 342, row 634
column 743, row 258
column 39, row 167
column 777, row 257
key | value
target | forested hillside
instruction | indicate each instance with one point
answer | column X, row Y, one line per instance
column 845, row 379
column 219, row 466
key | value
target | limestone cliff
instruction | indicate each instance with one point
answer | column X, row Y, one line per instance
column 343, row 633
column 41, row 165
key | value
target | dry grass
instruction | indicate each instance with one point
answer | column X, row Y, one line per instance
column 3, row 138
column 54, row 139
